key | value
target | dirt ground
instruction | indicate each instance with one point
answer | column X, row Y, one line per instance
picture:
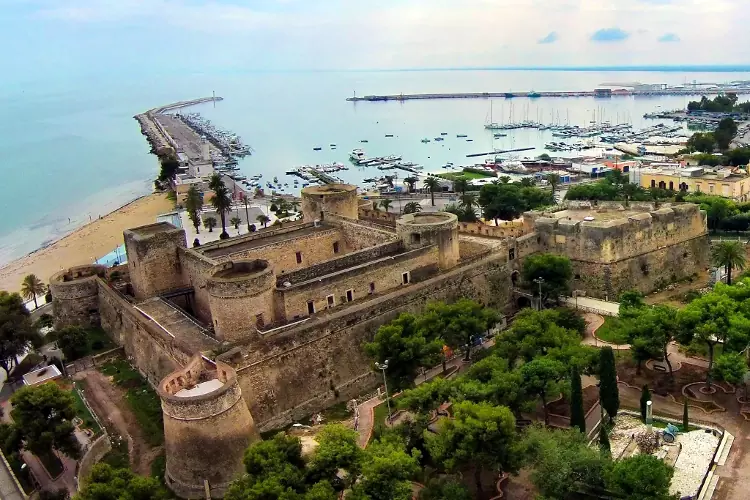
column 668, row 297
column 562, row 406
column 110, row 405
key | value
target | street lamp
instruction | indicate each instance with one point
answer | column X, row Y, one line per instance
column 539, row 282
column 384, row 367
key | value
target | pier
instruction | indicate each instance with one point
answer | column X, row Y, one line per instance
column 599, row 93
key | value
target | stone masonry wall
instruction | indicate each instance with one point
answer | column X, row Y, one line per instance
column 358, row 235
column 195, row 268
column 152, row 350
column 327, row 348
column 386, row 275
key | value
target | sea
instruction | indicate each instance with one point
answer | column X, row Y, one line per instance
column 71, row 151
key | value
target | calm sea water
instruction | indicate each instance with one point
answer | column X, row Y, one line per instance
column 71, row 150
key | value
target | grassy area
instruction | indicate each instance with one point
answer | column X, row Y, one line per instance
column 99, row 341
column 610, row 331
column 84, row 414
column 469, row 176
column 117, row 457
column 142, row 399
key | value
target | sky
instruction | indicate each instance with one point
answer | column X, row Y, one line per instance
column 86, row 37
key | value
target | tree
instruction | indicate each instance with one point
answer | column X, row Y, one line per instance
column 725, row 133
column 43, row 415
column 731, row 367
column 235, row 221
column 628, row 191
column 263, row 219
column 31, row 286
column 555, row 270
column 406, row 349
column 631, row 299
column 427, row 396
column 444, row 489
column 106, row 482
column 337, row 450
column 193, row 206
column 541, row 376
column 433, row 184
column 718, row 209
column 73, row 341
column 577, row 415
column 479, row 435
column 221, row 201
column 16, row 331
column 562, row 463
column 386, row 472
column 609, row 394
column 468, row 202
column 649, row 330
column 411, row 181
column 460, row 185
column 604, row 439
column 501, row 201
column 553, row 180
column 210, row 223
column 645, row 398
column 729, row 255
column 703, row 142
column 685, row 419
column 412, row 207
column 169, row 166
column 641, row 477
column 386, row 204
column 459, row 324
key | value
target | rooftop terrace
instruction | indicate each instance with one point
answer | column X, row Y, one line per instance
column 260, row 239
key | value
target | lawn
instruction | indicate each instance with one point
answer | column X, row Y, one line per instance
column 99, row 341
column 470, row 176
column 610, row 331
column 142, row 399
column 84, row 414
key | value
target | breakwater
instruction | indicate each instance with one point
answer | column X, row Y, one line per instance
column 601, row 93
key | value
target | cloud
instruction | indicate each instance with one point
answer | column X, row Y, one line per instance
column 552, row 37
column 610, row 35
column 669, row 37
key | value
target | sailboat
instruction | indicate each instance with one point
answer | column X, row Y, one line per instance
column 493, row 125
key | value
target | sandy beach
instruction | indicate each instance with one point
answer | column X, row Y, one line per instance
column 85, row 244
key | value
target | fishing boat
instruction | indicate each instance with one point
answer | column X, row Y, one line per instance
column 333, row 145
column 317, row 148
column 364, row 140
column 443, row 133
column 438, row 138
column 461, row 136
column 425, row 140
column 389, row 135
column 497, row 136
column 534, row 95
column 469, row 140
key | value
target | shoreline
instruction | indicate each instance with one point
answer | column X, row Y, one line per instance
column 86, row 243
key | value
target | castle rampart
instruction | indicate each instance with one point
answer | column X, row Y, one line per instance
column 75, row 298
column 338, row 199
column 437, row 228
column 207, row 427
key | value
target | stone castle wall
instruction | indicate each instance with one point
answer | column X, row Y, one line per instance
column 327, row 348
column 333, row 198
column 383, row 275
column 358, row 235
column 153, row 259
column 75, row 296
column 195, row 269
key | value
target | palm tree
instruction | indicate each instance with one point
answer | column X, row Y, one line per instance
column 222, row 202
column 411, row 182
column 386, row 204
column 31, row 286
column 210, row 223
column 504, row 179
column 263, row 219
column 730, row 255
column 468, row 201
column 460, row 185
column 412, row 207
column 235, row 221
column 433, row 184
column 193, row 206
column 554, row 181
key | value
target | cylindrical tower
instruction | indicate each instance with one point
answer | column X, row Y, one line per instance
column 240, row 295
column 339, row 199
column 75, row 296
column 207, row 427
column 431, row 228
column 153, row 261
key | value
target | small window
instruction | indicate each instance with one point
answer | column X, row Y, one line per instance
column 405, row 278
column 349, row 295
column 259, row 320
column 335, row 247
column 310, row 307
column 511, row 254
column 416, row 238
column 372, row 288
column 331, row 301
column 299, row 257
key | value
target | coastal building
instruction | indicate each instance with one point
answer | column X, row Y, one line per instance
column 729, row 182
column 275, row 320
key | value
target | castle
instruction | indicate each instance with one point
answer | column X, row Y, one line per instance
column 266, row 328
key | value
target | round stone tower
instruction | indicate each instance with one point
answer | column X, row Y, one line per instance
column 339, row 199
column 207, row 428
column 240, row 295
column 431, row 228
column 75, row 296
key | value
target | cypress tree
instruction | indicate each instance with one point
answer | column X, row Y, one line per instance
column 685, row 421
column 577, row 416
column 604, row 439
column 645, row 398
column 608, row 392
